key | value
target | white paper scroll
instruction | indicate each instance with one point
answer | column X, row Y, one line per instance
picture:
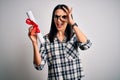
column 40, row 37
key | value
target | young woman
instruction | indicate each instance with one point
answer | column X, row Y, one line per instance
column 60, row 49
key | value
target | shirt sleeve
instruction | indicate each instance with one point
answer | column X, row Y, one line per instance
column 85, row 46
column 82, row 46
column 43, row 53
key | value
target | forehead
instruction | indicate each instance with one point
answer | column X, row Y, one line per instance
column 60, row 12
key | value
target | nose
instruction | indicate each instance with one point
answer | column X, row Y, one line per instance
column 59, row 19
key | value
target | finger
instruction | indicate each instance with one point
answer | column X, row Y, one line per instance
column 66, row 10
column 71, row 10
column 64, row 20
column 33, row 34
column 30, row 28
column 32, row 31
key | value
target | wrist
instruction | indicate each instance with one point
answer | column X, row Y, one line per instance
column 74, row 24
column 35, row 43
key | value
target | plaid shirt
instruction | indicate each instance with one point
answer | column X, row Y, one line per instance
column 62, row 58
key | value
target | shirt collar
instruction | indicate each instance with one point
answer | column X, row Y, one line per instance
column 56, row 39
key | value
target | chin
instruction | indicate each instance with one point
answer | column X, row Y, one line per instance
column 59, row 29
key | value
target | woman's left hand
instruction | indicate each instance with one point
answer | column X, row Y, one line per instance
column 69, row 15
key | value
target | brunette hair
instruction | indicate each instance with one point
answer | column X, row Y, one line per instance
column 53, row 29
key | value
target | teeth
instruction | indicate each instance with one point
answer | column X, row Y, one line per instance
column 60, row 24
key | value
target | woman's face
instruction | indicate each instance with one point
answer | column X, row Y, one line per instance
column 60, row 19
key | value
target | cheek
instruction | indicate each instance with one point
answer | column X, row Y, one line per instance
column 65, row 24
column 55, row 21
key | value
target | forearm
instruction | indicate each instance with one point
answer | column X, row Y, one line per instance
column 36, row 56
column 80, row 35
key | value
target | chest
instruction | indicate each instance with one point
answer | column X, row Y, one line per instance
column 56, row 49
column 61, row 50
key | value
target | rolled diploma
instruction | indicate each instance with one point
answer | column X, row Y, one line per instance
column 40, row 36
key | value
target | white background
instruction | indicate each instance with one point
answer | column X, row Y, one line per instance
column 98, row 19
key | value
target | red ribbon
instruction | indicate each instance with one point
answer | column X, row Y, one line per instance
column 35, row 26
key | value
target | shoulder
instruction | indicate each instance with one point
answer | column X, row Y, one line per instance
column 74, row 37
column 46, row 38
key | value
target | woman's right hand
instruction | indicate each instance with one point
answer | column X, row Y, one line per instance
column 32, row 34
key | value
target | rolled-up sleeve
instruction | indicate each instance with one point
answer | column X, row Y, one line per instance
column 85, row 46
column 82, row 46
column 43, row 53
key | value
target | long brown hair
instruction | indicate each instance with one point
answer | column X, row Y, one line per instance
column 53, row 29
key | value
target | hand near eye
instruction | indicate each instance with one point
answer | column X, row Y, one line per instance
column 69, row 16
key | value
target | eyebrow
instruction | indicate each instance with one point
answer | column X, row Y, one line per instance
column 60, row 15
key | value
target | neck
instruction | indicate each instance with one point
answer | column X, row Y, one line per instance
column 60, row 33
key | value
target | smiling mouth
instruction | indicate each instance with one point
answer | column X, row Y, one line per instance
column 59, row 25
